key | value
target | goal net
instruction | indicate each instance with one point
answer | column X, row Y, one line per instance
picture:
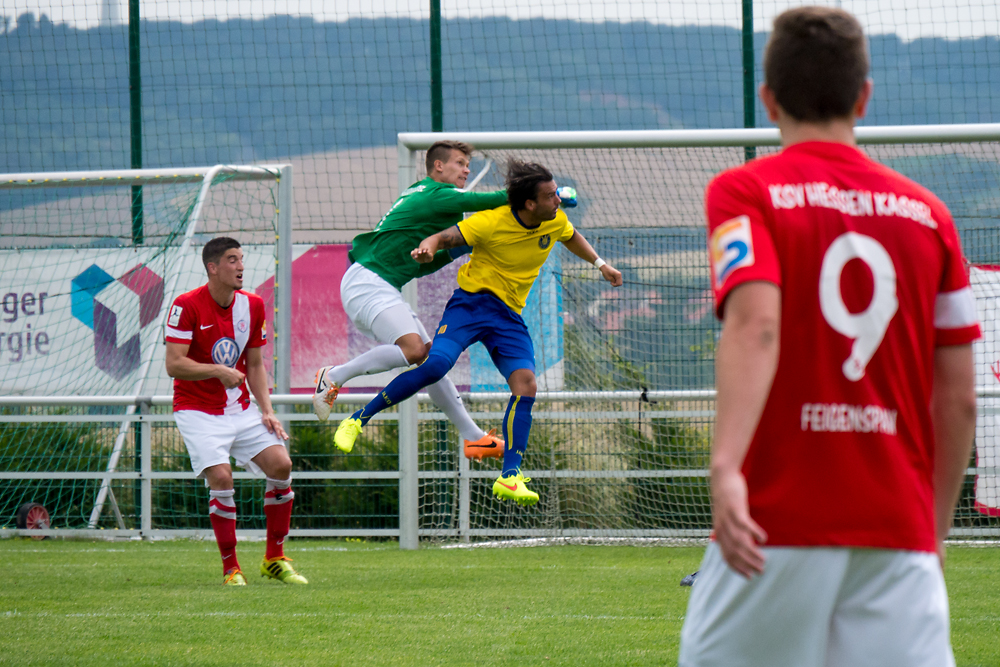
column 89, row 264
column 620, row 441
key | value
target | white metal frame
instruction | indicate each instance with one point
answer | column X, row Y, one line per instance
column 409, row 416
column 146, row 474
column 282, row 175
column 409, row 143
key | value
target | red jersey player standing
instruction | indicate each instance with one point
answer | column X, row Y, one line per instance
column 846, row 403
column 214, row 339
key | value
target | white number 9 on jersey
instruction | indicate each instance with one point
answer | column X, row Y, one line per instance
column 868, row 327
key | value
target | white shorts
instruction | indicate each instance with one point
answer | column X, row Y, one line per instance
column 377, row 308
column 820, row 607
column 212, row 439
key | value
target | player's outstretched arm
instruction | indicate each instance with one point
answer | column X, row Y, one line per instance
column 257, row 381
column 953, row 411
column 449, row 238
column 745, row 363
column 181, row 367
column 451, row 201
column 580, row 247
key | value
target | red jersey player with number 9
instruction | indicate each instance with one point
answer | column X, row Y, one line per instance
column 214, row 339
column 846, row 405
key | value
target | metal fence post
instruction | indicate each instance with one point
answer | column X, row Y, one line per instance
column 464, row 494
column 283, row 293
column 146, row 468
column 409, row 461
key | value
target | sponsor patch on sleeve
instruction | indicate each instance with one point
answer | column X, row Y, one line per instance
column 731, row 246
column 263, row 330
column 175, row 316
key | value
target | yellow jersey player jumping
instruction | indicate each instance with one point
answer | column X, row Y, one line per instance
column 509, row 246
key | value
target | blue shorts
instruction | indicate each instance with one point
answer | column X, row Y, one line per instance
column 482, row 317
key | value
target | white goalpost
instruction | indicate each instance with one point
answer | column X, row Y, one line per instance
column 645, row 456
column 110, row 250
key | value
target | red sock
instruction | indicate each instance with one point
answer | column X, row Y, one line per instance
column 222, row 513
column 278, row 498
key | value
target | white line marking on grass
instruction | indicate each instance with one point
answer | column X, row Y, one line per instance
column 340, row 614
column 583, row 541
column 105, row 551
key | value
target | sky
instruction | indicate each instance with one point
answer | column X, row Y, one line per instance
column 910, row 19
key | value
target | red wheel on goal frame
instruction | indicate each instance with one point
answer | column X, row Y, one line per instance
column 33, row 516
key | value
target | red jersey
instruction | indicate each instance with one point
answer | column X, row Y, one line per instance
column 872, row 278
column 216, row 335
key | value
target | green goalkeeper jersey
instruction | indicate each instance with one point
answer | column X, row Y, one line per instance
column 425, row 208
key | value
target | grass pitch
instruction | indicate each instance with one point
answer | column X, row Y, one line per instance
column 83, row 603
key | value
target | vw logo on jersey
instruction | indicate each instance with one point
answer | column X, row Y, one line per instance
column 225, row 352
column 544, row 241
column 242, row 326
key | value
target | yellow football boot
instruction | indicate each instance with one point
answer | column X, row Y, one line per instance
column 513, row 487
column 279, row 568
column 346, row 434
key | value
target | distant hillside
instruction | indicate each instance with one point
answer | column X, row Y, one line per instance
column 244, row 90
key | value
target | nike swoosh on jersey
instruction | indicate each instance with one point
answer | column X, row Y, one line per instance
column 206, row 326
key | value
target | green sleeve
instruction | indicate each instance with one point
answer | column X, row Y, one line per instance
column 441, row 259
column 451, row 200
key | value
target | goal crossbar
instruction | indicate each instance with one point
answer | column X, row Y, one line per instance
column 865, row 134
column 120, row 177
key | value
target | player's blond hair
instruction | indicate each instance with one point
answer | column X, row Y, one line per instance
column 441, row 150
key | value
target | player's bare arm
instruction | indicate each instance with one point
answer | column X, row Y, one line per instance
column 580, row 247
column 953, row 412
column 182, row 367
column 449, row 238
column 745, row 363
column 257, row 382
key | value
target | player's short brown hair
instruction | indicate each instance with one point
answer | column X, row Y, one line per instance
column 441, row 150
column 816, row 62
column 523, row 179
column 216, row 248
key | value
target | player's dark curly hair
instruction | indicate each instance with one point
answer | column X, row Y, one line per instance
column 216, row 248
column 523, row 179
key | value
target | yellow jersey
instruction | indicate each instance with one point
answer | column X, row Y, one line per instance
column 506, row 255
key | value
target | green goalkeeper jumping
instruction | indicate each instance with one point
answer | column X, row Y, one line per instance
column 381, row 265
column 509, row 245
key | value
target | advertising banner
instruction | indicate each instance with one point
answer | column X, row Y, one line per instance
column 986, row 286
column 86, row 322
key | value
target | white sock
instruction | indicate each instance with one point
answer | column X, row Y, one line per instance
column 224, row 497
column 445, row 396
column 272, row 484
column 375, row 360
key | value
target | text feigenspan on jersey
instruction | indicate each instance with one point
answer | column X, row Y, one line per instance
column 843, row 418
column 850, row 202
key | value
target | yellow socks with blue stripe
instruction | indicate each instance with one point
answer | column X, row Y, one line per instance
column 516, row 426
column 406, row 385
